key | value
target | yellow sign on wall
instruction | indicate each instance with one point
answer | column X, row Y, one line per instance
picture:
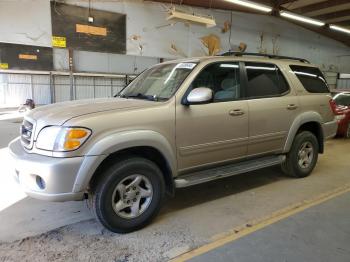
column 4, row 66
column 59, row 41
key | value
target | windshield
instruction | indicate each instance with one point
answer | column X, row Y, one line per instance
column 342, row 99
column 158, row 83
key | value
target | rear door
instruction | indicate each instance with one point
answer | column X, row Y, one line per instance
column 272, row 107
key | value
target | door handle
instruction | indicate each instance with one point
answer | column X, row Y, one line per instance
column 292, row 107
column 236, row 112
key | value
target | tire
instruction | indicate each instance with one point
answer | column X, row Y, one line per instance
column 116, row 186
column 302, row 158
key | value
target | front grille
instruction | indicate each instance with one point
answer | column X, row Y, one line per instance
column 27, row 134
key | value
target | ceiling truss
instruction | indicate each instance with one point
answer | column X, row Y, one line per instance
column 336, row 12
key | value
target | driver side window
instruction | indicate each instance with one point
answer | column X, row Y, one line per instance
column 222, row 78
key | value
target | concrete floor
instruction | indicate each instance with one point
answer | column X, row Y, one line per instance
column 320, row 233
column 196, row 216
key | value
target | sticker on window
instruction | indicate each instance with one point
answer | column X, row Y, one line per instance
column 186, row 65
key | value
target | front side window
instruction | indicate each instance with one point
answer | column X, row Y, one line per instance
column 264, row 80
column 158, row 83
column 222, row 78
column 311, row 78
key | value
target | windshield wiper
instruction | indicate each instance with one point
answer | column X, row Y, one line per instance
column 141, row 96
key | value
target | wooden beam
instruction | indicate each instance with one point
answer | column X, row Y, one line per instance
column 283, row 2
column 335, row 15
column 216, row 4
column 344, row 23
column 221, row 4
column 325, row 31
column 319, row 6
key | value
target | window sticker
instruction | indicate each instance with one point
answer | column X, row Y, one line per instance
column 186, row 65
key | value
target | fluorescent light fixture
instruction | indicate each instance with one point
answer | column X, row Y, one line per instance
column 249, row 4
column 302, row 18
column 183, row 16
column 344, row 76
column 341, row 29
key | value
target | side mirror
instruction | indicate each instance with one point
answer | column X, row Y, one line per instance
column 200, row 95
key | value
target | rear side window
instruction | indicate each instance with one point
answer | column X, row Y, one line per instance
column 311, row 78
column 265, row 80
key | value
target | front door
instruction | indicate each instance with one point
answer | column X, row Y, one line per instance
column 215, row 132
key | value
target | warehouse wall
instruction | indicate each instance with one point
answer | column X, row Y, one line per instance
column 32, row 25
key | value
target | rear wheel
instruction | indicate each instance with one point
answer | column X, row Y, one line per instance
column 302, row 158
column 128, row 195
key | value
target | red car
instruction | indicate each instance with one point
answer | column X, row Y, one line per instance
column 342, row 111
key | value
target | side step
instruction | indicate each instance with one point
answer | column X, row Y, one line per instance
column 227, row 171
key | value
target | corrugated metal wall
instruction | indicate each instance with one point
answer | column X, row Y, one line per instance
column 61, row 88
column 343, row 84
column 45, row 88
column 48, row 87
column 41, row 89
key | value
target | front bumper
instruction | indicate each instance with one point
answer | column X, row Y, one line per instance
column 44, row 177
column 330, row 129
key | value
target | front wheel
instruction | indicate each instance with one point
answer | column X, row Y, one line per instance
column 302, row 158
column 128, row 195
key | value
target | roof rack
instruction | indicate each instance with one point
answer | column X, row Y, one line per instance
column 231, row 53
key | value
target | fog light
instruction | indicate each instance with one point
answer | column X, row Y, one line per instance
column 40, row 182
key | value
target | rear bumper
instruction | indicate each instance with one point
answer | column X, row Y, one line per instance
column 343, row 127
column 330, row 129
column 43, row 177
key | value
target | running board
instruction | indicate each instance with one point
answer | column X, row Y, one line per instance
column 227, row 171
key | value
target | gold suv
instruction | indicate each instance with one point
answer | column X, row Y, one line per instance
column 178, row 124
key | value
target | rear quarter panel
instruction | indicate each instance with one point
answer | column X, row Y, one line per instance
column 316, row 102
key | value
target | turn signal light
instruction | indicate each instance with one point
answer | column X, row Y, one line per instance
column 76, row 134
column 71, row 144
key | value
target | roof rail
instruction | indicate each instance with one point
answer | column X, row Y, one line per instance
column 231, row 53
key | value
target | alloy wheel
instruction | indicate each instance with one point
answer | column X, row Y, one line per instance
column 132, row 196
column 305, row 155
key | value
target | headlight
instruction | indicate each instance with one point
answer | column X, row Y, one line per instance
column 57, row 138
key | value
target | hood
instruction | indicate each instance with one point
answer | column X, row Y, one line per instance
column 59, row 113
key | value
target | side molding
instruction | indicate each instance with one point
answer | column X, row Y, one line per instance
column 303, row 118
column 119, row 141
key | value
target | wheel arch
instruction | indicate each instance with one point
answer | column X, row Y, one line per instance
column 308, row 121
column 143, row 143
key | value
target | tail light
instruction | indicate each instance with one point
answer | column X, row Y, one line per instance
column 339, row 111
column 333, row 106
